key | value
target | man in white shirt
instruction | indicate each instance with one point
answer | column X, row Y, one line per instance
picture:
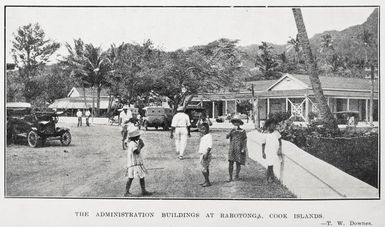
column 79, row 114
column 88, row 115
column 180, row 124
column 124, row 118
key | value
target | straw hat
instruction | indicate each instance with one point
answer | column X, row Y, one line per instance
column 180, row 109
column 133, row 132
column 236, row 119
column 125, row 107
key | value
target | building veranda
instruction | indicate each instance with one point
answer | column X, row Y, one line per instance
column 293, row 93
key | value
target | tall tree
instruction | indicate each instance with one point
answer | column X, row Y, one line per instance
column 31, row 51
column 296, row 45
column 330, row 58
column 267, row 62
column 90, row 64
column 134, row 70
column 210, row 67
column 329, row 121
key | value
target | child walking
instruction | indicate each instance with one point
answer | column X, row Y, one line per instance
column 271, row 149
column 135, row 167
column 205, row 145
column 238, row 147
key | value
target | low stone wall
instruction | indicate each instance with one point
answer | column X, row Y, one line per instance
column 309, row 177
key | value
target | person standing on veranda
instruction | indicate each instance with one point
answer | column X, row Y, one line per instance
column 180, row 125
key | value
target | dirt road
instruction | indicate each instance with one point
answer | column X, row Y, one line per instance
column 93, row 166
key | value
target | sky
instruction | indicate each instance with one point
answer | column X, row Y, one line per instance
column 176, row 28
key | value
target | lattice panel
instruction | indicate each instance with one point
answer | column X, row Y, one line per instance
column 296, row 109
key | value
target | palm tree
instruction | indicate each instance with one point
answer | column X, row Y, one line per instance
column 329, row 121
column 296, row 45
column 326, row 43
column 90, row 65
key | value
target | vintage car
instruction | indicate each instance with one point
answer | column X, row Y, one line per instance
column 196, row 113
column 157, row 116
column 37, row 127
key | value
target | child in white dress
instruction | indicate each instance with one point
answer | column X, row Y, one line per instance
column 271, row 148
column 135, row 167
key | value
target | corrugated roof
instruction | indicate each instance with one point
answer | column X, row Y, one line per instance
column 343, row 83
column 303, row 92
column 259, row 85
column 78, row 103
column 89, row 92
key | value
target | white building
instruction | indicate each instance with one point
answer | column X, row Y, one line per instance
column 294, row 94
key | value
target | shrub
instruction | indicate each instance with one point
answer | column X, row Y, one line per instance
column 312, row 116
column 357, row 156
column 279, row 116
column 354, row 152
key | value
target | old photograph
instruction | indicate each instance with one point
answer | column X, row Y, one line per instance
column 192, row 103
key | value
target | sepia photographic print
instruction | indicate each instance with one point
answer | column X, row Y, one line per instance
column 197, row 114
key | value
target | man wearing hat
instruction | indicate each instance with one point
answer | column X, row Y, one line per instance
column 125, row 116
column 180, row 124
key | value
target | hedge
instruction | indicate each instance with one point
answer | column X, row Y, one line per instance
column 357, row 156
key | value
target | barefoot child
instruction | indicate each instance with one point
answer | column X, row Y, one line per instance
column 135, row 167
column 205, row 145
column 271, row 149
column 237, row 151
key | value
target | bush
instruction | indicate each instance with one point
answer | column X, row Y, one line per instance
column 357, row 156
column 354, row 152
column 279, row 116
column 312, row 116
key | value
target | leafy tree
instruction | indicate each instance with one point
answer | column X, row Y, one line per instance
column 57, row 83
column 134, row 70
column 210, row 67
column 31, row 51
column 330, row 58
column 14, row 87
column 267, row 62
column 329, row 121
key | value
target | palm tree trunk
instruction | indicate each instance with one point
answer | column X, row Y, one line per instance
column 84, row 96
column 325, row 113
column 98, row 91
column 187, row 100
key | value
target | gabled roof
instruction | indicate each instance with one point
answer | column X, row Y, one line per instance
column 78, row 92
column 260, row 85
column 339, row 83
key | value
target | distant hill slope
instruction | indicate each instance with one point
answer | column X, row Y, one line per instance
column 345, row 42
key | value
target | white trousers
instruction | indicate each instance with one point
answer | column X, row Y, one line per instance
column 180, row 140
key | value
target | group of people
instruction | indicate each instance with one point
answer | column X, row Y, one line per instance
column 79, row 115
column 181, row 130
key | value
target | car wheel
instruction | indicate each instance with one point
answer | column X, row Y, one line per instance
column 33, row 139
column 65, row 138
